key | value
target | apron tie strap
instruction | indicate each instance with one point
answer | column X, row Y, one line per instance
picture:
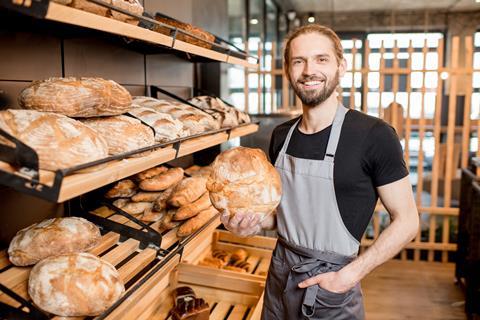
column 314, row 266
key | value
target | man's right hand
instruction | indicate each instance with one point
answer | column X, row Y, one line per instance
column 243, row 225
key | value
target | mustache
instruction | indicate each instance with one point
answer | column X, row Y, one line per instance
column 311, row 78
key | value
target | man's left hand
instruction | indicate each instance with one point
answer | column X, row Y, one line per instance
column 337, row 282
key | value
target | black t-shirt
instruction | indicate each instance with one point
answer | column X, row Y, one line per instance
column 368, row 155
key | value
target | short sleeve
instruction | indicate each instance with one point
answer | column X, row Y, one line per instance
column 384, row 155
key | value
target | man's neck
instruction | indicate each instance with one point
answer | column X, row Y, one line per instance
column 317, row 118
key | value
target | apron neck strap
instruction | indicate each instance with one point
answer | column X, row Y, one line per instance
column 335, row 133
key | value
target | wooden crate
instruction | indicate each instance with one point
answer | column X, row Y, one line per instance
column 259, row 251
column 244, row 301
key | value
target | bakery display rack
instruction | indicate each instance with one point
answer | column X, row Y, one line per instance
column 18, row 169
column 220, row 50
column 143, row 265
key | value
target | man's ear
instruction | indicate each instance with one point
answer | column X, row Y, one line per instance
column 342, row 67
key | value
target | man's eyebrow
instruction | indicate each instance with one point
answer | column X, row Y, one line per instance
column 321, row 55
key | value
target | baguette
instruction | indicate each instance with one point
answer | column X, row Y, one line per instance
column 193, row 208
column 187, row 191
column 162, row 181
column 161, row 202
column 195, row 223
column 122, row 189
column 150, row 173
column 146, row 196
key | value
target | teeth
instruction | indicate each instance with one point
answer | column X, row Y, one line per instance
column 313, row 83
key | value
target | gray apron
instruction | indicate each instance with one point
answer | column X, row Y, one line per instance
column 312, row 239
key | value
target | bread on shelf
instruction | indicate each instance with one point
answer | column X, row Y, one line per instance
column 52, row 237
column 77, row 97
column 122, row 133
column 59, row 141
column 78, row 284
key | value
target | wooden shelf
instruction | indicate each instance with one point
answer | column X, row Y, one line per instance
column 79, row 183
column 60, row 13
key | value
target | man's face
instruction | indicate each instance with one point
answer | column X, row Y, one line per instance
column 314, row 70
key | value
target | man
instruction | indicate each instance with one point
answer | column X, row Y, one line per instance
column 334, row 164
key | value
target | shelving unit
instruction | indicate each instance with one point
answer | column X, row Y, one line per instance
column 59, row 187
column 146, row 256
column 51, row 11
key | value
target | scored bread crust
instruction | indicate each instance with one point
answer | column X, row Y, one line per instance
column 59, row 141
column 77, row 97
column 52, row 237
column 78, row 284
column 244, row 181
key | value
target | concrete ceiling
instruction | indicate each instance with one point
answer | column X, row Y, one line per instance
column 382, row 5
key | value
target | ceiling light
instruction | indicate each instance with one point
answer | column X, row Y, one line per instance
column 254, row 21
column 477, row 1
column 291, row 15
column 311, row 18
column 444, row 74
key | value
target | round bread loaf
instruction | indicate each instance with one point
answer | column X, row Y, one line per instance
column 77, row 97
column 76, row 284
column 122, row 133
column 59, row 141
column 52, row 237
column 244, row 181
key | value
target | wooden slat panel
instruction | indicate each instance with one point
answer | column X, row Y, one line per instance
column 468, row 101
column 4, row 259
column 118, row 254
column 382, row 79
column 256, row 313
column 210, row 277
column 353, row 70
column 436, row 156
column 263, row 266
column 253, row 251
column 146, row 295
column 136, row 264
column 229, row 297
column 238, row 312
column 257, row 241
column 253, row 260
column 408, row 121
column 220, row 311
column 107, row 241
column 259, row 80
column 365, row 76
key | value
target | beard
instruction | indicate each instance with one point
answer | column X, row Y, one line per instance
column 312, row 98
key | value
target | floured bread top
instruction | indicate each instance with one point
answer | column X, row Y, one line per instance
column 60, row 142
column 122, row 133
column 243, row 180
column 52, row 237
column 78, row 284
column 76, row 97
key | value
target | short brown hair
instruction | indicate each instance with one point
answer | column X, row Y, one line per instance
column 312, row 28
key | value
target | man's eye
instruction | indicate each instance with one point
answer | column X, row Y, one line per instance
column 297, row 62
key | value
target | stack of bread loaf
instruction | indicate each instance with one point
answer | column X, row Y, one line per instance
column 132, row 6
column 226, row 115
column 166, row 195
column 46, row 122
column 66, row 280
column 194, row 119
column 233, row 261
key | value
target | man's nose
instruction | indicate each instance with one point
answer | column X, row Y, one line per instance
column 308, row 68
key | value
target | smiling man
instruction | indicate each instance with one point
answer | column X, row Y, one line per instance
column 334, row 164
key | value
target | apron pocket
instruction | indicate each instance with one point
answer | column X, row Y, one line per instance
column 331, row 299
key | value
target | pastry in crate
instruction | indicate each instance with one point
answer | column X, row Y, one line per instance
column 188, row 306
column 222, row 259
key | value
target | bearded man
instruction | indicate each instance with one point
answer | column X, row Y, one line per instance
column 334, row 164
